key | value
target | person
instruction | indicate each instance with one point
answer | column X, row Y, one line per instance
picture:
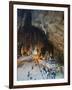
column 53, row 74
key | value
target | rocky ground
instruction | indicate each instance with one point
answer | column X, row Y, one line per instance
column 31, row 71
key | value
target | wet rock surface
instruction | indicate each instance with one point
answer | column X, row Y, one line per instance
column 39, row 72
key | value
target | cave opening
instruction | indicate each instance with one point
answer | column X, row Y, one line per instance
column 31, row 38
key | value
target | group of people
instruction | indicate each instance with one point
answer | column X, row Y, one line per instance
column 50, row 73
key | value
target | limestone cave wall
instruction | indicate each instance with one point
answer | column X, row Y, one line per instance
column 51, row 22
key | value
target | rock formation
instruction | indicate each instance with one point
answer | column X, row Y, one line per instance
column 51, row 22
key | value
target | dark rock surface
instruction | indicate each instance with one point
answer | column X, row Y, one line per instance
column 51, row 22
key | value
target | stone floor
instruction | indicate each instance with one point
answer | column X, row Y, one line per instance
column 33, row 71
